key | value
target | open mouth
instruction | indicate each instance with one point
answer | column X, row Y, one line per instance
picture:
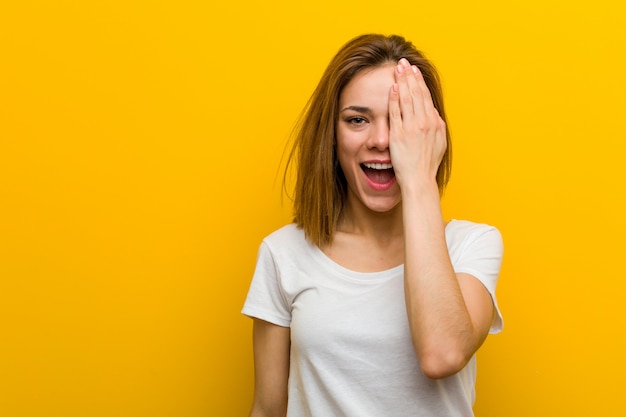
column 378, row 173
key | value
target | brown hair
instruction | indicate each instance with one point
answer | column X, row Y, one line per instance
column 321, row 188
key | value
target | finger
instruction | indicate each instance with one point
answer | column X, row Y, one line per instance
column 424, row 116
column 429, row 105
column 395, row 113
column 406, row 97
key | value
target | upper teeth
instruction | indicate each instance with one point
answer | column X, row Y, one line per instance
column 372, row 165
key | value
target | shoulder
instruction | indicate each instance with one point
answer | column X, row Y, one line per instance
column 464, row 233
column 286, row 234
column 288, row 239
column 463, row 228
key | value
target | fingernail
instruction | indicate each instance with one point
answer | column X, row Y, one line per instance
column 414, row 68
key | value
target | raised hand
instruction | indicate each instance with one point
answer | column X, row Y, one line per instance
column 417, row 134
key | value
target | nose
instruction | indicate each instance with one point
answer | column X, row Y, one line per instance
column 380, row 137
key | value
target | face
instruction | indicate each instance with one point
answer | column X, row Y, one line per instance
column 363, row 140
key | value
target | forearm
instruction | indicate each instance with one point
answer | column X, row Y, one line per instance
column 442, row 331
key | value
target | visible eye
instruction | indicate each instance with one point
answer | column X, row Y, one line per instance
column 357, row 120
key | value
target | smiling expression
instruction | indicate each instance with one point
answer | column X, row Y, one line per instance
column 363, row 140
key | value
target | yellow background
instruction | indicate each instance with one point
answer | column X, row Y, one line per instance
column 139, row 147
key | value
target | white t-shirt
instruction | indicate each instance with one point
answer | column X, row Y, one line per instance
column 351, row 348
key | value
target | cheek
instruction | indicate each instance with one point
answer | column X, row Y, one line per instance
column 348, row 144
column 345, row 154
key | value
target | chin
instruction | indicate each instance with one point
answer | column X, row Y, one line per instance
column 382, row 206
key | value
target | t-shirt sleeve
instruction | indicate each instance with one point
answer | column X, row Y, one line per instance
column 481, row 257
column 266, row 299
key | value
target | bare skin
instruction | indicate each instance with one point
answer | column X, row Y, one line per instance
column 271, row 369
column 449, row 315
column 387, row 116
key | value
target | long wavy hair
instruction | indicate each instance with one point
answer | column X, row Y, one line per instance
column 321, row 188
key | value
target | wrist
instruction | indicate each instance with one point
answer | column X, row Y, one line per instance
column 428, row 189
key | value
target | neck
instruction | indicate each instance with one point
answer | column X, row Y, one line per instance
column 358, row 219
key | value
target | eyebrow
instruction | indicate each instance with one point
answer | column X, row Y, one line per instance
column 358, row 109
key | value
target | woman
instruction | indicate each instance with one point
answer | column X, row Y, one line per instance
column 370, row 304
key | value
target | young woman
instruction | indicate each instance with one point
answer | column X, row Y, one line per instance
column 370, row 303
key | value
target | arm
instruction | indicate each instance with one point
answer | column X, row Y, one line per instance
column 449, row 315
column 271, row 369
